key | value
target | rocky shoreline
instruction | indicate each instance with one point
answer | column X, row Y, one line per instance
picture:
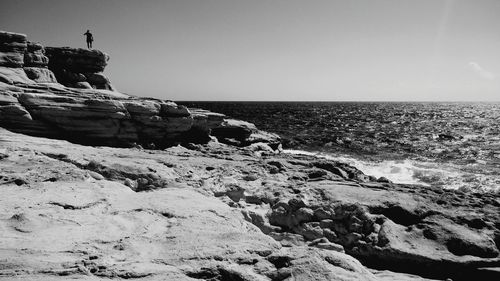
column 216, row 210
column 85, row 108
column 150, row 190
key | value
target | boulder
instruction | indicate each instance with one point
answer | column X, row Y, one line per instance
column 205, row 119
column 234, row 129
column 305, row 263
column 243, row 133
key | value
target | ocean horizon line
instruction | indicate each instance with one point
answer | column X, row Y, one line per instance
column 340, row 101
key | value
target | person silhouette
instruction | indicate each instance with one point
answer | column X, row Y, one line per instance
column 90, row 39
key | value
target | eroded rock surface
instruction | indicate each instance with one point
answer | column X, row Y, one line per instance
column 241, row 133
column 218, row 212
column 204, row 210
column 33, row 102
column 74, row 212
column 79, row 68
column 22, row 61
column 12, row 49
column 100, row 117
column 36, row 64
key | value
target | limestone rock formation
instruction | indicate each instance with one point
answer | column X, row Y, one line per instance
column 178, row 230
column 71, row 212
column 397, row 226
column 32, row 102
column 40, row 74
column 36, row 63
column 16, row 52
column 204, row 210
column 79, row 68
column 12, row 49
column 35, row 55
column 9, row 75
column 94, row 118
column 241, row 133
column 105, row 118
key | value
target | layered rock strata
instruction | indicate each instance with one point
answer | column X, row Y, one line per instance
column 36, row 64
column 12, row 49
column 79, row 68
column 108, row 118
column 32, row 102
column 208, row 210
column 22, row 61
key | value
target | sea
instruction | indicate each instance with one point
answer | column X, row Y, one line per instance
column 453, row 145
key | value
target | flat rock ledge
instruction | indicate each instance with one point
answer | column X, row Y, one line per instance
column 220, row 212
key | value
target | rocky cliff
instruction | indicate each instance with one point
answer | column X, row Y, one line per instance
column 85, row 109
column 229, row 210
column 79, row 68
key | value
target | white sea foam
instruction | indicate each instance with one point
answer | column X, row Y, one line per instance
column 416, row 172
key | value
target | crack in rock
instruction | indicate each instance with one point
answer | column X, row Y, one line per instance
column 75, row 207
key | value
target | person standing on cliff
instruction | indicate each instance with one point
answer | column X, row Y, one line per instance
column 90, row 39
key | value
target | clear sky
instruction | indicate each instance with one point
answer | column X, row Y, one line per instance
column 379, row 50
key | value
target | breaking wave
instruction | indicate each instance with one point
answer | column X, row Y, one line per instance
column 448, row 144
column 418, row 172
